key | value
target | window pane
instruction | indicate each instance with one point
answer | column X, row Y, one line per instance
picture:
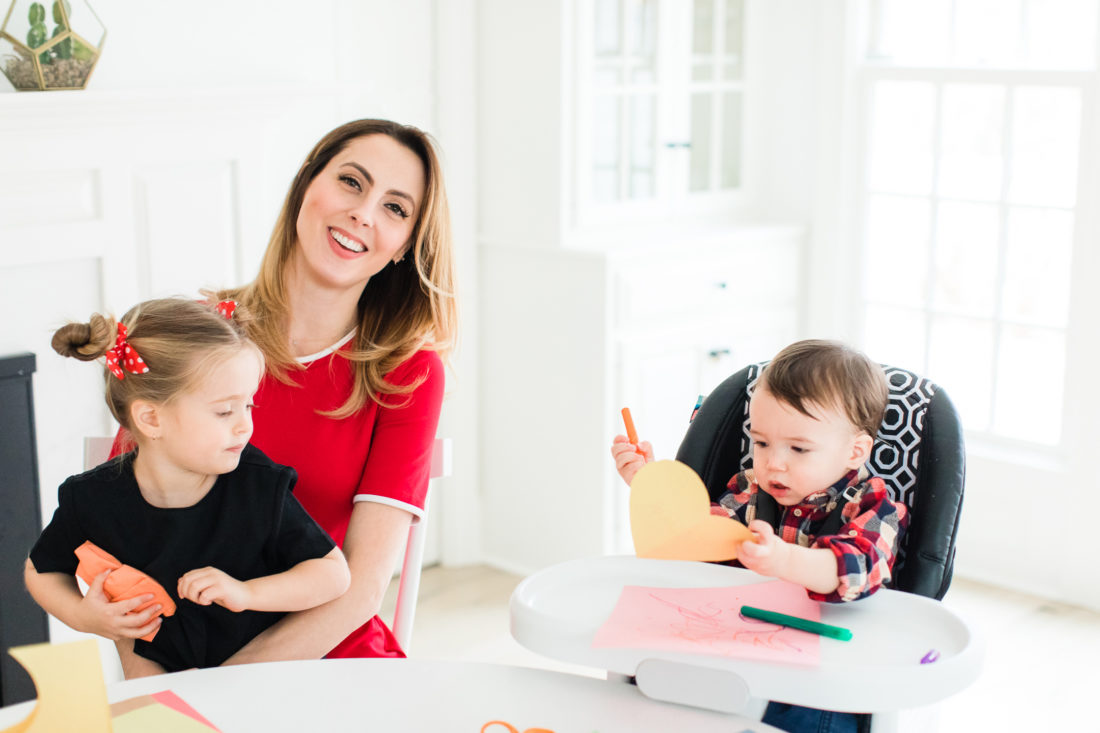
column 960, row 359
column 733, row 40
column 1037, row 268
column 966, row 258
column 971, row 143
column 731, row 140
column 642, row 17
column 605, row 147
column 1045, row 125
column 607, row 75
column 912, row 32
column 642, row 153
column 702, row 71
column 702, row 41
column 607, row 39
column 1061, row 34
column 700, row 142
column 895, row 336
column 987, row 32
column 1030, row 384
column 902, row 122
column 896, row 253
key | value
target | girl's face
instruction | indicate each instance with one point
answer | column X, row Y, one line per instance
column 204, row 430
column 795, row 455
column 358, row 214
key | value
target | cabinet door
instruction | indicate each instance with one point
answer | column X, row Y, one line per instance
column 659, row 105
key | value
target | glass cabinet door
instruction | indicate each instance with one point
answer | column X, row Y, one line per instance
column 664, row 81
column 624, row 100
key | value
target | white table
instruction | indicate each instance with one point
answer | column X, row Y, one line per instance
column 413, row 695
column 557, row 611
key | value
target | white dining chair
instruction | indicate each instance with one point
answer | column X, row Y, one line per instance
column 98, row 449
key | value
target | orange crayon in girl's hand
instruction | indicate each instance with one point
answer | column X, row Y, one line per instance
column 631, row 433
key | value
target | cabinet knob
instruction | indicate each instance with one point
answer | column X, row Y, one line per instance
column 718, row 353
column 685, row 144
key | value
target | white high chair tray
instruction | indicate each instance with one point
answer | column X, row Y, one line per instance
column 557, row 611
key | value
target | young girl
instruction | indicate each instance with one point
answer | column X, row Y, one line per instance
column 194, row 506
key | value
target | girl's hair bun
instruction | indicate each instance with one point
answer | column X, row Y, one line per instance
column 85, row 341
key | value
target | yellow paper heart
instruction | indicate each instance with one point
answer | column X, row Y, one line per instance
column 670, row 517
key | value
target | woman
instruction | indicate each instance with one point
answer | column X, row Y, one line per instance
column 354, row 310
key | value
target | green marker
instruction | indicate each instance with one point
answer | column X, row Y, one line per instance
column 833, row 632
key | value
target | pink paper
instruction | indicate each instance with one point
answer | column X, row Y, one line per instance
column 708, row 621
column 174, row 701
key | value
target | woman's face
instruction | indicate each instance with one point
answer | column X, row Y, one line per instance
column 358, row 214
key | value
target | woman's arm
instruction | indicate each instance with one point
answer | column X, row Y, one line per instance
column 309, row 583
column 375, row 538
column 59, row 595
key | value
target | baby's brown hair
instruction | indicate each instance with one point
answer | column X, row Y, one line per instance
column 830, row 374
column 179, row 340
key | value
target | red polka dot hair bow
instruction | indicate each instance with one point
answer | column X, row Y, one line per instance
column 122, row 354
column 226, row 308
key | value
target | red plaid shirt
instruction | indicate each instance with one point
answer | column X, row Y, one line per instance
column 866, row 544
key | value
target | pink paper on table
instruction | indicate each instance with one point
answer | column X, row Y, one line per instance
column 708, row 621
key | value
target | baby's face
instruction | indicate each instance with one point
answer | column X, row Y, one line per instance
column 795, row 455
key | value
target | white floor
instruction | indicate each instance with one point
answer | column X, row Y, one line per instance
column 1041, row 671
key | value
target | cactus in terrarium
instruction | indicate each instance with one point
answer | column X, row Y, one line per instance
column 36, row 36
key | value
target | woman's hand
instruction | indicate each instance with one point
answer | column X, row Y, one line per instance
column 97, row 614
column 628, row 460
column 210, row 585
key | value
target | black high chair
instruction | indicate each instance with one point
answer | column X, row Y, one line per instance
column 919, row 454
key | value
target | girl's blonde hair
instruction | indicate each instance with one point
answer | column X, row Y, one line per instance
column 406, row 306
column 179, row 340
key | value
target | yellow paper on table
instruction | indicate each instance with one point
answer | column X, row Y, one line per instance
column 71, row 692
column 159, row 718
column 670, row 517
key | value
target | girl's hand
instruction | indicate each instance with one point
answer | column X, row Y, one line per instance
column 115, row 621
column 628, row 461
column 210, row 585
column 766, row 554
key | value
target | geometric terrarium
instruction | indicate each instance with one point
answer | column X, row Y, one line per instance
column 46, row 45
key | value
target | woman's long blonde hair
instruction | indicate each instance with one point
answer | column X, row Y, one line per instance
column 404, row 307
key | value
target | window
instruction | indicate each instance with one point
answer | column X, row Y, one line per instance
column 970, row 211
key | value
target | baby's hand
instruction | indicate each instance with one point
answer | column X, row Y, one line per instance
column 766, row 554
column 210, row 585
column 628, row 461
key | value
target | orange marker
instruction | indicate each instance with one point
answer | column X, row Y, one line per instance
column 631, row 433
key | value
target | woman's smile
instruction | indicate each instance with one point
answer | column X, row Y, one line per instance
column 346, row 241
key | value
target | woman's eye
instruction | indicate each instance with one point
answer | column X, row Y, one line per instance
column 398, row 209
column 225, row 413
column 760, row 444
column 799, row 449
column 351, row 181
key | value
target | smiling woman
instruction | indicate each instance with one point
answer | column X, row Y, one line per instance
column 355, row 313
